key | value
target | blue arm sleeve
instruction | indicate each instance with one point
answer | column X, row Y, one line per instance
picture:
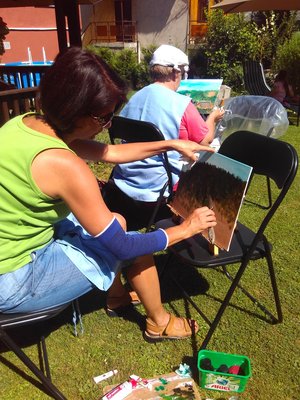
column 126, row 245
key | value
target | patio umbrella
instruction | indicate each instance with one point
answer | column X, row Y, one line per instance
column 235, row 6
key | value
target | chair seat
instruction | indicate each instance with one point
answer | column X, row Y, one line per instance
column 14, row 319
column 195, row 250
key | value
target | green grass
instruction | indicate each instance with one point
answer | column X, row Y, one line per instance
column 115, row 343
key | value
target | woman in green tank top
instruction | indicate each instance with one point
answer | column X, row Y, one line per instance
column 47, row 259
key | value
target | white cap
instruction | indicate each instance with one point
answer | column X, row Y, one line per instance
column 169, row 56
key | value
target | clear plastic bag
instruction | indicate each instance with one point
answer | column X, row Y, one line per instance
column 259, row 114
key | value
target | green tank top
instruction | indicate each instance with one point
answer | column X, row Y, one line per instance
column 27, row 215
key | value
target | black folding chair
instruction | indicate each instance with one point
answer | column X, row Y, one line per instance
column 268, row 157
column 254, row 79
column 255, row 84
column 131, row 131
column 17, row 321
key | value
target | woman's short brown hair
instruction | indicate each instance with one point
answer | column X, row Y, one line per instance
column 79, row 83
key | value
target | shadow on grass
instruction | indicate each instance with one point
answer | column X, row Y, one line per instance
column 190, row 278
column 23, row 374
column 179, row 281
column 88, row 303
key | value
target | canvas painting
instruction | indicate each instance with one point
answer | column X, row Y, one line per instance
column 204, row 92
column 219, row 183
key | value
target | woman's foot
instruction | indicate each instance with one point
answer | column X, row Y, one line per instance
column 176, row 328
column 118, row 306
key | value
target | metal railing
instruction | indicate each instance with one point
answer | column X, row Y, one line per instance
column 197, row 31
column 22, row 76
column 113, row 31
column 17, row 101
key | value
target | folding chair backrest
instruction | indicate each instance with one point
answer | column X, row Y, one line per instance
column 132, row 131
column 254, row 79
column 269, row 157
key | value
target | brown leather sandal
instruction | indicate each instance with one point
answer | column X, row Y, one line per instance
column 155, row 333
column 135, row 300
column 122, row 305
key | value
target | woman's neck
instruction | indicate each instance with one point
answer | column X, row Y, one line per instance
column 38, row 124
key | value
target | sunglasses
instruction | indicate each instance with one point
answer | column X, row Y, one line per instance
column 106, row 119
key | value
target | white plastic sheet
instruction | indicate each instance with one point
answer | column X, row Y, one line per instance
column 259, row 114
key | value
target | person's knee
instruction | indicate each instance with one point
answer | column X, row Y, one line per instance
column 121, row 220
column 140, row 264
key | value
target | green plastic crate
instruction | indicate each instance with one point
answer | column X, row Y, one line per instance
column 222, row 381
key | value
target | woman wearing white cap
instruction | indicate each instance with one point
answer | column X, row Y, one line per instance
column 133, row 189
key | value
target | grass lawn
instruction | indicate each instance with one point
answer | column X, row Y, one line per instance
column 109, row 343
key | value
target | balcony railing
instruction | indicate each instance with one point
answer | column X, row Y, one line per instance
column 14, row 102
column 197, row 31
column 113, row 31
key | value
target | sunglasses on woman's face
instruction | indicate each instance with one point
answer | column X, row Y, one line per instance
column 107, row 118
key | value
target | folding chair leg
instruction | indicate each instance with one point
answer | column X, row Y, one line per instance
column 190, row 300
column 56, row 394
column 158, row 204
column 223, row 306
column 43, row 357
column 269, row 192
column 279, row 318
column 182, row 290
column 235, row 283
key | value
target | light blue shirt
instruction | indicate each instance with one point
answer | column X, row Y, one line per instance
column 143, row 180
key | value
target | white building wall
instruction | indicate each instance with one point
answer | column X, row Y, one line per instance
column 161, row 22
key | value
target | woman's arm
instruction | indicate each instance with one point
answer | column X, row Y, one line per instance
column 125, row 246
column 123, row 153
column 61, row 174
column 214, row 117
column 194, row 128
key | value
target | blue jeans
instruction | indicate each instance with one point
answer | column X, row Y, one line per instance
column 50, row 279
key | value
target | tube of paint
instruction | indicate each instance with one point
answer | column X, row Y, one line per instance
column 119, row 392
column 100, row 378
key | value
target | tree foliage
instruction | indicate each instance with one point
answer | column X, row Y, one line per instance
column 125, row 63
column 288, row 58
column 272, row 29
column 232, row 39
column 3, row 32
column 229, row 40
